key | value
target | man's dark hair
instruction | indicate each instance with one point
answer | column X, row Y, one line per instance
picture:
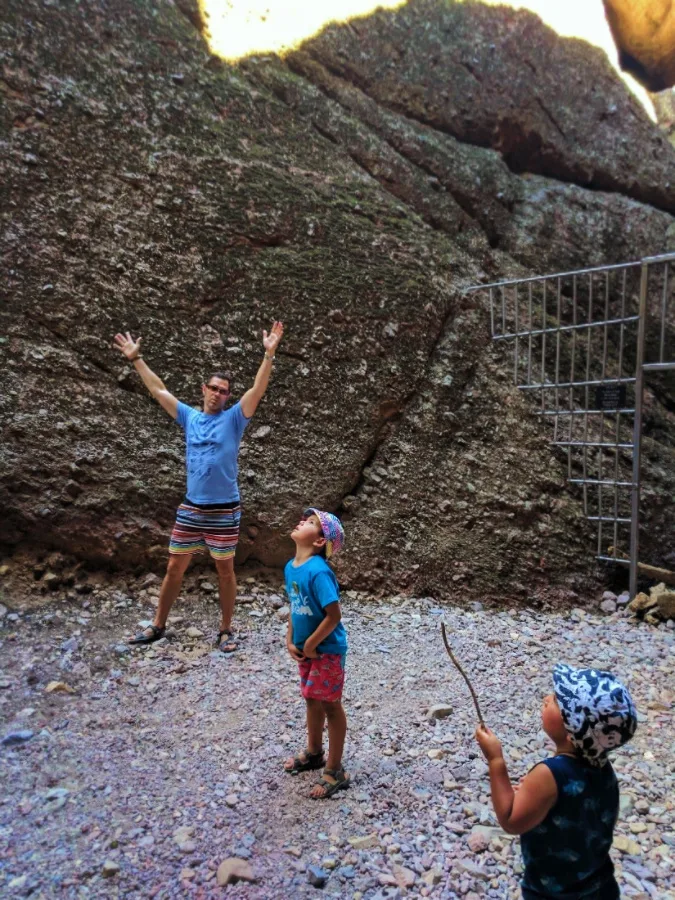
column 223, row 376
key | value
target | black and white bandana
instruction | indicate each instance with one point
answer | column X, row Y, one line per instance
column 597, row 710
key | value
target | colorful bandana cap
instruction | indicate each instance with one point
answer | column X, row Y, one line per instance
column 597, row 710
column 332, row 530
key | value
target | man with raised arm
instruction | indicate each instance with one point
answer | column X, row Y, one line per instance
column 210, row 514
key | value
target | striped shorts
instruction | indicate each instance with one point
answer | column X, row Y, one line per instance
column 215, row 527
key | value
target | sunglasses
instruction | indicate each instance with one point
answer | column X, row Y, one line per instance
column 218, row 390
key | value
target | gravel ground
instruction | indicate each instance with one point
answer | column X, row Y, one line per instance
column 166, row 761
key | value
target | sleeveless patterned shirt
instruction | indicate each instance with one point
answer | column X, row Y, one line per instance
column 567, row 856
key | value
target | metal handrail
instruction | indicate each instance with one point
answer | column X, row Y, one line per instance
column 592, row 271
column 580, row 326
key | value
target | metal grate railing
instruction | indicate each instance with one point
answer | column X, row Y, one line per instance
column 581, row 343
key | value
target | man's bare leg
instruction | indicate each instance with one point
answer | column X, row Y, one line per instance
column 173, row 580
column 227, row 594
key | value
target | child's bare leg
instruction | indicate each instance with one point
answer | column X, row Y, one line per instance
column 316, row 719
column 337, row 731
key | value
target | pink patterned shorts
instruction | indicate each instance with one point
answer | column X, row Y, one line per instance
column 322, row 678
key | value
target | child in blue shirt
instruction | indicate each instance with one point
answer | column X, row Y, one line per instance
column 316, row 639
column 566, row 807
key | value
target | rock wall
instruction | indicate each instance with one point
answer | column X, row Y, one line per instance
column 353, row 190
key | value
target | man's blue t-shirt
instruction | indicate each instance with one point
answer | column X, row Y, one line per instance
column 310, row 588
column 212, row 447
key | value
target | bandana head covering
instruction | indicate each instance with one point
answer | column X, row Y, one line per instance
column 331, row 528
column 597, row 711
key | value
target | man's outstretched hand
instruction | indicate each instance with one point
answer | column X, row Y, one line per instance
column 127, row 345
column 271, row 340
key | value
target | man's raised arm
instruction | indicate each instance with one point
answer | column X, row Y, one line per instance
column 251, row 399
column 132, row 350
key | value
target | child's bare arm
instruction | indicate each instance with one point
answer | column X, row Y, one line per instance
column 297, row 655
column 517, row 811
column 329, row 624
column 522, row 810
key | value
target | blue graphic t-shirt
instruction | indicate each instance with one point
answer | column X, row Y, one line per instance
column 310, row 588
column 567, row 855
column 212, row 447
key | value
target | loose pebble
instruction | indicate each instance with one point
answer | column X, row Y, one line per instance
column 232, row 870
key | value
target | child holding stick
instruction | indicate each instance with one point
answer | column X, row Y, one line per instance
column 566, row 807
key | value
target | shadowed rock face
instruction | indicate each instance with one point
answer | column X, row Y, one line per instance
column 644, row 33
column 664, row 105
column 354, row 191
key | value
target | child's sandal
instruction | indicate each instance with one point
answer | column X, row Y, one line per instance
column 306, row 762
column 331, row 781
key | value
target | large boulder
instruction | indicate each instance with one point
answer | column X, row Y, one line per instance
column 644, row 33
column 494, row 78
column 155, row 188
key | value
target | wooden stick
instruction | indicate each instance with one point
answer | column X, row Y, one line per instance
column 654, row 572
column 462, row 673
column 657, row 574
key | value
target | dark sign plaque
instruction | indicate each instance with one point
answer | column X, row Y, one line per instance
column 610, row 396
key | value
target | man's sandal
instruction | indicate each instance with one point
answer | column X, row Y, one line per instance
column 331, row 781
column 229, row 645
column 305, row 762
column 149, row 635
